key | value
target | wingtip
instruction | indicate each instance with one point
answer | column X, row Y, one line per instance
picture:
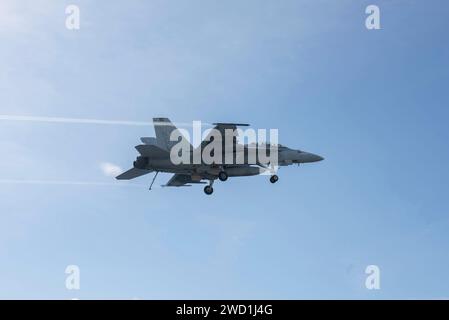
column 164, row 120
column 231, row 124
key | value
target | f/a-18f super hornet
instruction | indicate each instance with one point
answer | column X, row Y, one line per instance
column 156, row 155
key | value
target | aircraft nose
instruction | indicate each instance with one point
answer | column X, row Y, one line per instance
column 311, row 157
column 317, row 157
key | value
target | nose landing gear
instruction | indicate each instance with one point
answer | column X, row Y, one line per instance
column 274, row 178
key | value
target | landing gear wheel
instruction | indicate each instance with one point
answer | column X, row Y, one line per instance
column 274, row 178
column 208, row 190
column 223, row 176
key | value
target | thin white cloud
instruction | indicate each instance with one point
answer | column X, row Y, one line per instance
column 110, row 169
column 18, row 17
column 10, row 19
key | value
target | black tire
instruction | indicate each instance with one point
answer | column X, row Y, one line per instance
column 274, row 178
column 223, row 176
column 208, row 190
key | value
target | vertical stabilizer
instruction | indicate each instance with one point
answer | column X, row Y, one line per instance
column 163, row 128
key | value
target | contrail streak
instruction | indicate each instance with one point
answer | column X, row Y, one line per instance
column 71, row 120
column 7, row 117
column 73, row 183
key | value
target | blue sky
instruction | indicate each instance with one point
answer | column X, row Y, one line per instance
column 373, row 103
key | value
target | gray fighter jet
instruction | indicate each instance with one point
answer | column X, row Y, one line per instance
column 155, row 157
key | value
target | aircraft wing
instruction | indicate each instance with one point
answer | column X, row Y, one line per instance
column 181, row 180
column 222, row 127
column 132, row 173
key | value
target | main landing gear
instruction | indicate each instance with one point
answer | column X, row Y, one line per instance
column 208, row 189
column 274, row 178
column 223, row 176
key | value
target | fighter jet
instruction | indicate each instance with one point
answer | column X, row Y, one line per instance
column 155, row 157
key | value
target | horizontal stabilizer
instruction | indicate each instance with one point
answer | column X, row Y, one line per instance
column 149, row 140
column 132, row 173
column 152, row 151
